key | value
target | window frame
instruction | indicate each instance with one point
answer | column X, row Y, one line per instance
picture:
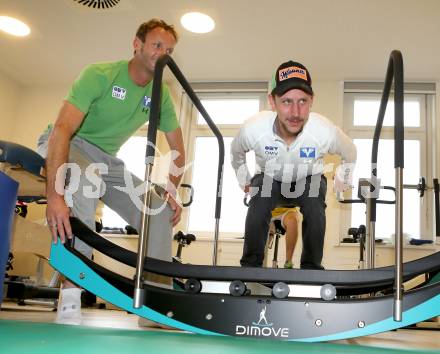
column 426, row 94
column 221, row 91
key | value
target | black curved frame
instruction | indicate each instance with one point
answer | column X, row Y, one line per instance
column 163, row 61
column 394, row 71
column 346, row 281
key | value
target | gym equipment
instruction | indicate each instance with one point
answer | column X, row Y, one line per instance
column 303, row 319
column 280, row 290
column 395, row 70
column 190, row 310
column 279, row 231
column 366, row 240
column 237, row 288
column 358, row 235
column 366, row 187
column 8, row 189
column 193, row 286
column 24, row 167
column 183, row 240
column 346, row 281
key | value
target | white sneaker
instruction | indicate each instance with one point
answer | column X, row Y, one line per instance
column 69, row 307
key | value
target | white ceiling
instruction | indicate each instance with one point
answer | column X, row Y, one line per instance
column 336, row 39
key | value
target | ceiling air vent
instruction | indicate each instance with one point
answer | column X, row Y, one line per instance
column 98, row 4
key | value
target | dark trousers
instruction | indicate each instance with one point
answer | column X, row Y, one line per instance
column 308, row 195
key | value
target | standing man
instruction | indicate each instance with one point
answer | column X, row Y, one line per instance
column 107, row 103
column 289, row 144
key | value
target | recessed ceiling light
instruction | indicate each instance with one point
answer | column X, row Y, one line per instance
column 13, row 26
column 197, row 22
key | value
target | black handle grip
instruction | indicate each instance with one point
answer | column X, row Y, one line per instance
column 437, row 207
column 191, row 194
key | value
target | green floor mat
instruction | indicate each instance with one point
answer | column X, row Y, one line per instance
column 44, row 338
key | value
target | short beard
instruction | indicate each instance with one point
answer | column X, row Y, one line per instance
column 278, row 124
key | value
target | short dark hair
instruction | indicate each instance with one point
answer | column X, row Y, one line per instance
column 146, row 27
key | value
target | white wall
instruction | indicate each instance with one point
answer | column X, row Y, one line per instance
column 10, row 92
column 40, row 107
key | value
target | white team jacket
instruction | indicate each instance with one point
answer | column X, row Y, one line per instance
column 284, row 163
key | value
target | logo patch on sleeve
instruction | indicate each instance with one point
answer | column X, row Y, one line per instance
column 307, row 152
column 119, row 92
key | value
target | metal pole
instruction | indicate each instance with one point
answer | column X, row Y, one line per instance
column 437, row 207
column 361, row 251
column 138, row 297
column 369, row 238
column 216, row 232
column 398, row 294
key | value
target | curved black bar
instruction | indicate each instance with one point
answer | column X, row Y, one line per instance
column 353, row 279
column 153, row 121
column 155, row 116
column 394, row 70
column 437, row 206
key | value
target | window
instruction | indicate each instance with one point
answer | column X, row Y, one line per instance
column 228, row 109
column 361, row 106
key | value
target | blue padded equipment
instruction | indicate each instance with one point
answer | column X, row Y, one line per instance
column 19, row 155
column 8, row 192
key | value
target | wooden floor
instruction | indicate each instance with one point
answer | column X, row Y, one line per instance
column 404, row 339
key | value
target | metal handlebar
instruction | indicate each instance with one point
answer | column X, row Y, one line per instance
column 394, row 71
column 191, row 194
column 166, row 60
